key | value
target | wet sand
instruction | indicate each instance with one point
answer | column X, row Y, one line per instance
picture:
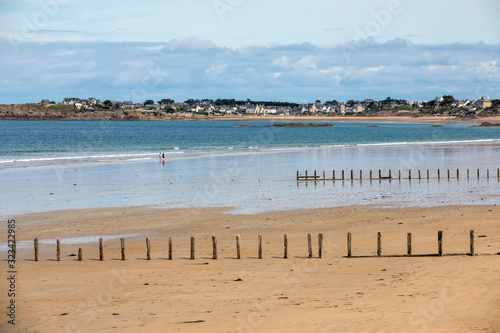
column 453, row 293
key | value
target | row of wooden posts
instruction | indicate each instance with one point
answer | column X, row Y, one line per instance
column 317, row 177
column 259, row 252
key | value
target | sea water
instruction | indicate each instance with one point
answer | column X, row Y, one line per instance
column 54, row 165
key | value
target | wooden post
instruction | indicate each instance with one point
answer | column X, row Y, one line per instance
column 440, row 243
column 352, row 175
column 487, row 173
column 80, row 256
column 390, row 174
column 458, row 174
column 448, row 174
column 260, row 246
column 371, row 175
column 360, row 175
column 399, row 174
column 439, row 174
column 349, row 239
column 309, row 245
column 101, row 249
column 297, row 174
column 342, row 174
column 306, row 174
column 333, row 176
column 471, row 243
column 467, row 174
column 419, row 175
column 320, row 246
column 58, row 249
column 170, row 248
column 477, row 173
column 498, row 174
column 315, row 177
column 122, row 245
column 148, row 248
column 192, row 248
column 427, row 174
column 36, row 249
column 408, row 244
column 379, row 174
column 409, row 174
column 379, row 244
column 285, row 245
column 214, row 248
column 324, row 176
column 238, row 249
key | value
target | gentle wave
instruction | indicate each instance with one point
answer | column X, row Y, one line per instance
column 85, row 157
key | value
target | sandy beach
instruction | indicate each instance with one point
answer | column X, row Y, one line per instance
column 453, row 293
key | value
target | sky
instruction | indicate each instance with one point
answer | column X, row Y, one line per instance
column 293, row 50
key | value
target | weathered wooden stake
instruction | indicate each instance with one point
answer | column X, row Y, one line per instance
column 80, row 256
column 419, row 175
column 260, row 246
column 399, row 174
column 471, row 243
column 458, row 174
column 439, row 174
column 498, row 174
column 408, row 244
column 214, row 248
column 467, row 174
column 342, row 174
column 333, row 176
column 238, row 249
column 390, row 174
column 36, row 249
column 320, row 246
column 192, row 248
column 122, row 245
column 427, row 174
column 58, row 249
column 285, row 245
column 409, row 174
column 352, row 175
column 379, row 174
column 315, row 177
column 349, row 239
column 170, row 248
column 487, row 173
column 360, row 174
column 101, row 249
column 148, row 248
column 309, row 245
column 371, row 175
column 297, row 174
column 379, row 244
column 448, row 174
column 440, row 243
column 306, row 174
column 477, row 173
column 324, row 175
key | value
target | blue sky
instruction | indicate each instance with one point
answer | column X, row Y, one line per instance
column 292, row 50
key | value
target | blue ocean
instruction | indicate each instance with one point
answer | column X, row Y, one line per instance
column 53, row 165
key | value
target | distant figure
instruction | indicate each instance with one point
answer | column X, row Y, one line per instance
column 163, row 155
column 160, row 156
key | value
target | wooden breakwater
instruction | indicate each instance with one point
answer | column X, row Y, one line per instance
column 350, row 175
column 308, row 248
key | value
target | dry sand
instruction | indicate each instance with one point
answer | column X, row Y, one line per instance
column 453, row 293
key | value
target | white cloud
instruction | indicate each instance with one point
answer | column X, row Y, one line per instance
column 216, row 70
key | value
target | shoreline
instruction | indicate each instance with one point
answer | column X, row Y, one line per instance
column 378, row 119
column 460, row 293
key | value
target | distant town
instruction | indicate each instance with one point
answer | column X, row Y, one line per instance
column 441, row 104
column 93, row 108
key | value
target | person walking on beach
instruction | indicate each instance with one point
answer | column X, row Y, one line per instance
column 163, row 155
column 159, row 155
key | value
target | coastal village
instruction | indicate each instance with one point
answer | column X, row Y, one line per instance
column 231, row 106
column 72, row 108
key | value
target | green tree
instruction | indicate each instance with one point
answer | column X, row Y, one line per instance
column 447, row 100
column 149, row 102
column 166, row 101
